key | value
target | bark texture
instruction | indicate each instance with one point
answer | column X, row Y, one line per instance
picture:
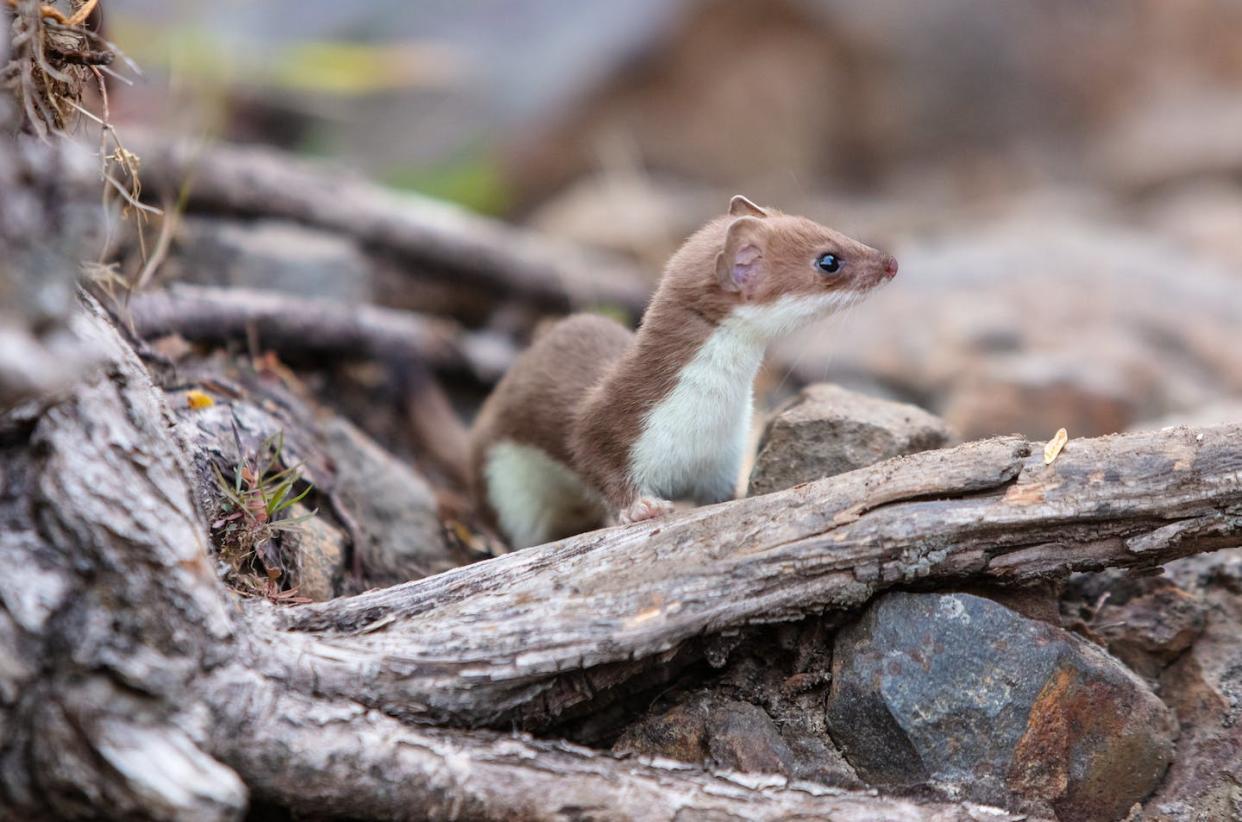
column 45, row 227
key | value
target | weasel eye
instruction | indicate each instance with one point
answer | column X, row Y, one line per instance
column 828, row 263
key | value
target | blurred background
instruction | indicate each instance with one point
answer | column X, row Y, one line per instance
column 1061, row 181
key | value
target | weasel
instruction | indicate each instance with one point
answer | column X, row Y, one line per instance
column 595, row 422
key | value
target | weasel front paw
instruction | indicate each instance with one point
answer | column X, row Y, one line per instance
column 645, row 508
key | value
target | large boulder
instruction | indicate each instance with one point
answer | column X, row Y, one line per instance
column 827, row 430
column 959, row 694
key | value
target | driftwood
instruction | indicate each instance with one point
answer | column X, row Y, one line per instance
column 132, row 682
column 443, row 241
column 310, row 327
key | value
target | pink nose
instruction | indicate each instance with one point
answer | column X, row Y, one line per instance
column 890, row 266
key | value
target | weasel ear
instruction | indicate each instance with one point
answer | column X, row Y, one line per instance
column 739, row 265
column 739, row 206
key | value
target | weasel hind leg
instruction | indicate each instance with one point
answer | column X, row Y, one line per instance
column 536, row 498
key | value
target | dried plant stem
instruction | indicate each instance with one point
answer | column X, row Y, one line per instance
column 53, row 13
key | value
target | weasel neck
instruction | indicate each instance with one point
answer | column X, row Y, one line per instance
column 689, row 320
column 675, row 339
column 693, row 436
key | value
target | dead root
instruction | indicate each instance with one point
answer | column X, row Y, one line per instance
column 53, row 59
column 56, row 57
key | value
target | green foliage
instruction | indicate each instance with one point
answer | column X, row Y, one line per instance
column 254, row 509
column 472, row 179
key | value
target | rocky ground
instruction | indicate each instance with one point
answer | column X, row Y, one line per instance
column 1102, row 695
column 239, row 577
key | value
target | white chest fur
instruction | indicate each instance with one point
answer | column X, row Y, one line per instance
column 692, row 442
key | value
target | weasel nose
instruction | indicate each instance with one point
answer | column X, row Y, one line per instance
column 890, row 266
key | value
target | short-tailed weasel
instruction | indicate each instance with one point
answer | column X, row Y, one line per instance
column 595, row 421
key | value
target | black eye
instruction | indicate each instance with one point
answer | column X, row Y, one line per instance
column 828, row 263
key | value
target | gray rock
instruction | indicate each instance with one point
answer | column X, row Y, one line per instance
column 707, row 729
column 273, row 255
column 958, row 693
column 318, row 549
column 827, row 430
column 392, row 505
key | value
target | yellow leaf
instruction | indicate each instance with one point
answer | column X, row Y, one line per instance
column 1054, row 446
column 198, row 400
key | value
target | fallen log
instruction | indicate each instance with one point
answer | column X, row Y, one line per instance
column 523, row 637
column 131, row 686
column 303, row 326
column 444, row 241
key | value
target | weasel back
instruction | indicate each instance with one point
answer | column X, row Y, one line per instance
column 521, row 473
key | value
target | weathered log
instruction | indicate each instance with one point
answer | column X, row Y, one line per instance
column 523, row 637
column 445, row 241
column 130, row 687
column 302, row 326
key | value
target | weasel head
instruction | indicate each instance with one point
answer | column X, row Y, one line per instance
column 785, row 270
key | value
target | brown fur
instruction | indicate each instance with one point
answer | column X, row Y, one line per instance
column 583, row 390
column 536, row 402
